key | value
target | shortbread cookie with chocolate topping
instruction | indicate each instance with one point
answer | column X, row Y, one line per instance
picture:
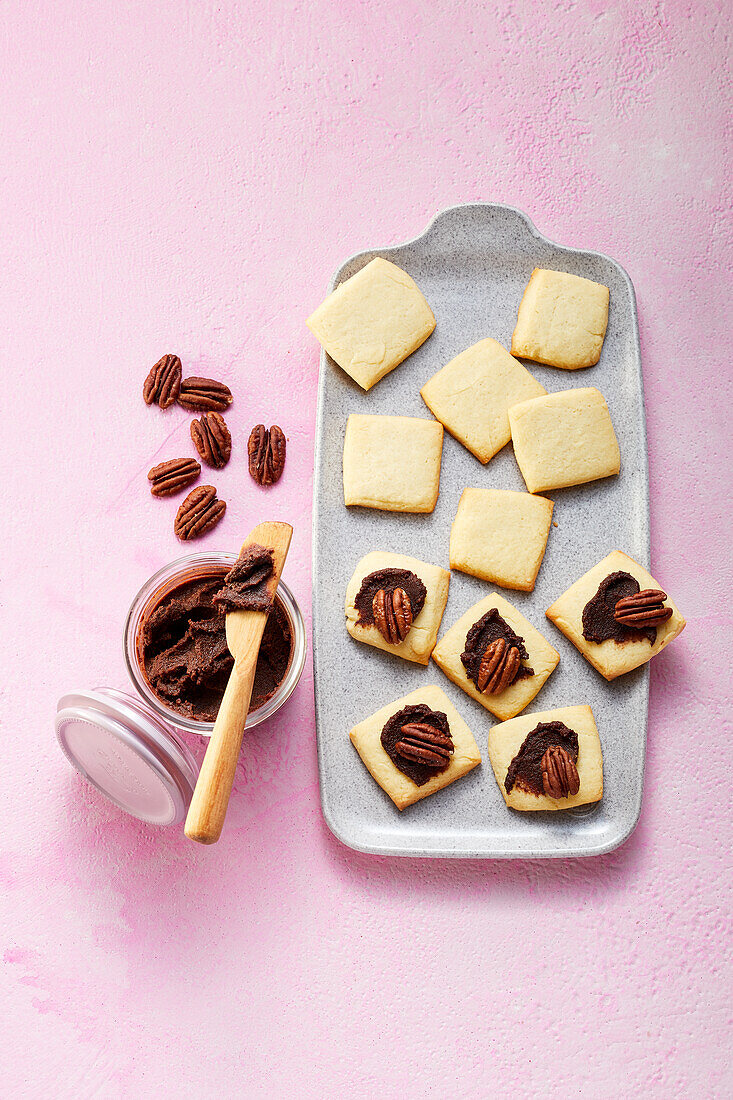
column 396, row 603
column 500, row 536
column 392, row 462
column 562, row 320
column 416, row 745
column 548, row 760
column 373, row 321
column 476, row 654
column 617, row 615
column 472, row 394
column 564, row 438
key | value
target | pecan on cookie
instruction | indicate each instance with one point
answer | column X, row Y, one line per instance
column 643, row 609
column 424, row 744
column 559, row 773
column 499, row 667
column 392, row 614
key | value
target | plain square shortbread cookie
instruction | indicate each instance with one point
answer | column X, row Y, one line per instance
column 500, row 536
column 421, row 638
column 564, row 438
column 542, row 658
column 372, row 322
column 562, row 320
column 392, row 462
column 611, row 658
column 366, row 739
column 506, row 739
column 472, row 394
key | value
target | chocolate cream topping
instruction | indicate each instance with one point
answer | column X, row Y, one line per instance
column 389, row 579
column 488, row 628
column 525, row 770
column 392, row 733
column 183, row 649
column 598, row 622
column 245, row 585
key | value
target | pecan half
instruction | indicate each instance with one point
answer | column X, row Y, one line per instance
column 644, row 609
column 211, row 439
column 199, row 512
column 559, row 774
column 424, row 744
column 499, row 667
column 392, row 614
column 204, row 393
column 170, row 477
column 266, row 450
column 163, row 382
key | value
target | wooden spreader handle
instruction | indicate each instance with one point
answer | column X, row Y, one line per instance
column 244, row 633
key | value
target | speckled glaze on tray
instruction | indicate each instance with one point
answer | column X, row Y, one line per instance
column 473, row 263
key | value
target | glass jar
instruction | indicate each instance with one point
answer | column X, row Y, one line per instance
column 129, row 747
column 163, row 582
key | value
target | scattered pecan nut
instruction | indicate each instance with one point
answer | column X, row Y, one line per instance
column 559, row 774
column 644, row 609
column 163, row 383
column 392, row 614
column 199, row 512
column 170, row 477
column 204, row 393
column 499, row 667
column 424, row 744
column 211, row 439
column 266, row 451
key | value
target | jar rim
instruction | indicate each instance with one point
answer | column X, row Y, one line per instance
column 145, row 596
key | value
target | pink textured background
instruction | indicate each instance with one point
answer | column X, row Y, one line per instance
column 185, row 177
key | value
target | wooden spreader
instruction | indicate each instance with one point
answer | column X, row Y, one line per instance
column 244, row 634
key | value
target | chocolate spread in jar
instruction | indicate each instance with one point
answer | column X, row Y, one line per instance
column 183, row 651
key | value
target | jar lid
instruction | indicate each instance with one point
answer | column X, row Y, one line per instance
column 127, row 753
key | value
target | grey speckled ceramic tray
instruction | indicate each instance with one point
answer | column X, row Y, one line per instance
column 472, row 263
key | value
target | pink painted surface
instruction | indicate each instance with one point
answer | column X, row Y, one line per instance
column 185, row 177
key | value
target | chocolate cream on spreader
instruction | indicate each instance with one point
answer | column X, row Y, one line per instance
column 182, row 640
